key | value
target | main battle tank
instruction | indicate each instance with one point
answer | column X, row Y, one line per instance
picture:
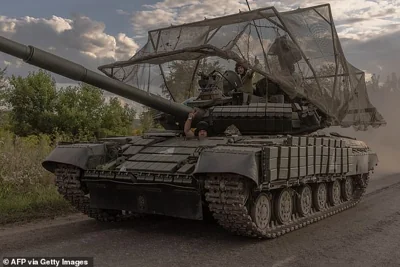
column 266, row 167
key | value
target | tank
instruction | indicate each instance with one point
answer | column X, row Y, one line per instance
column 269, row 164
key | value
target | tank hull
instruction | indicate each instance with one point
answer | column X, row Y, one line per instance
column 259, row 186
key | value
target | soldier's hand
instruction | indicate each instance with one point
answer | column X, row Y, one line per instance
column 192, row 114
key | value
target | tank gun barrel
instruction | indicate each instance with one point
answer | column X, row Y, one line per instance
column 74, row 71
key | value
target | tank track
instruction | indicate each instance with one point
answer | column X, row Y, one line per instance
column 69, row 186
column 226, row 198
column 226, row 204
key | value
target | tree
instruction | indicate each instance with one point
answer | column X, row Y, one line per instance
column 116, row 119
column 33, row 103
column 79, row 109
column 83, row 110
column 37, row 107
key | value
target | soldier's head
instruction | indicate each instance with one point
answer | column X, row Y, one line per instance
column 240, row 69
column 201, row 130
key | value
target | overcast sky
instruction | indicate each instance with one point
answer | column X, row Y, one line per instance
column 95, row 32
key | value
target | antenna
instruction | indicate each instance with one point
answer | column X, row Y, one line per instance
column 248, row 5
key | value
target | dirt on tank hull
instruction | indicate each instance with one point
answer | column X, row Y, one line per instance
column 259, row 186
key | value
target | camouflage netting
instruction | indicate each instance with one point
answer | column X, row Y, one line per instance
column 300, row 50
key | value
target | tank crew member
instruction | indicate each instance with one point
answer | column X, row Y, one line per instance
column 201, row 131
column 287, row 52
column 247, row 78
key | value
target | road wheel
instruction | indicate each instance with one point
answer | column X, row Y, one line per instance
column 284, row 206
column 320, row 196
column 261, row 211
column 347, row 188
column 334, row 193
column 304, row 200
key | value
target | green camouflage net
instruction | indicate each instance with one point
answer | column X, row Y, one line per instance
column 299, row 50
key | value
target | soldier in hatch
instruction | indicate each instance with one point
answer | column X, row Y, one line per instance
column 201, row 131
column 247, row 78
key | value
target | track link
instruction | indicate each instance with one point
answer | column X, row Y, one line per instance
column 69, row 186
column 226, row 195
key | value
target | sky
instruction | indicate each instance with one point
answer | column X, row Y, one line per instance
column 96, row 32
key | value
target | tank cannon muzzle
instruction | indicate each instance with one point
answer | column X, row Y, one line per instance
column 74, row 71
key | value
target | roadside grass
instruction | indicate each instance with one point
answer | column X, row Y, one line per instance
column 27, row 190
column 40, row 202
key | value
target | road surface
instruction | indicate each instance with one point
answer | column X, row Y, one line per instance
column 367, row 235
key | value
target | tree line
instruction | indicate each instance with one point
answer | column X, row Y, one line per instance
column 33, row 105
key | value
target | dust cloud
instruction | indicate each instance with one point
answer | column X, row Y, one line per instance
column 384, row 140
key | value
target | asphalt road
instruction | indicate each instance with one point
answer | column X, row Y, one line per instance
column 367, row 235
